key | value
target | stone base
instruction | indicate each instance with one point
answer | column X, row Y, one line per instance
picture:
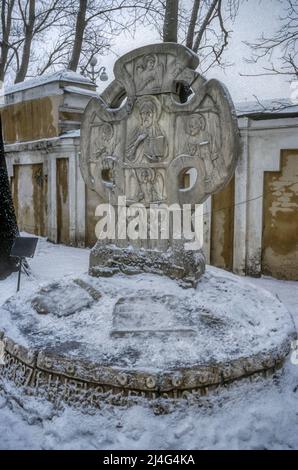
column 141, row 336
column 185, row 266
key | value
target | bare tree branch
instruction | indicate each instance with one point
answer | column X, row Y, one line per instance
column 281, row 49
column 192, row 23
column 29, row 26
column 204, row 25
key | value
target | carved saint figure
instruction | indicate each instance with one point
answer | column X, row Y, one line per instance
column 202, row 144
column 147, row 139
column 148, row 74
column 102, row 145
column 145, row 185
column 150, row 185
column 103, row 142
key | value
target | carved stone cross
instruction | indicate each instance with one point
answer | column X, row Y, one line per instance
column 143, row 140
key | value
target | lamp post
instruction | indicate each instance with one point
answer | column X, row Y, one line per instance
column 92, row 73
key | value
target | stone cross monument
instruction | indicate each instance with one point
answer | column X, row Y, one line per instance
column 160, row 135
column 148, row 142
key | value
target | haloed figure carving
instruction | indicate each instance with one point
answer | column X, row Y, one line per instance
column 148, row 74
column 103, row 142
column 101, row 146
column 147, row 139
column 202, row 144
column 151, row 185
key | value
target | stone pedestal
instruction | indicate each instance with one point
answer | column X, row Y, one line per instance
column 129, row 338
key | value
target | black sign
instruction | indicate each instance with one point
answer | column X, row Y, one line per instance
column 24, row 247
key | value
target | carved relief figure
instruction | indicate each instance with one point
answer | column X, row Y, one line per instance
column 102, row 146
column 150, row 185
column 202, row 144
column 147, row 139
column 145, row 185
column 148, row 74
column 103, row 143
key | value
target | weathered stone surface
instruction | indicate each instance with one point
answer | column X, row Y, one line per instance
column 152, row 315
column 64, row 300
column 144, row 147
column 184, row 266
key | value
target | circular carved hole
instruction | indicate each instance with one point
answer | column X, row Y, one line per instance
column 187, row 179
column 107, row 175
column 184, row 92
column 119, row 101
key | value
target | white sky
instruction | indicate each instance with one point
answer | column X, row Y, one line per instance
column 254, row 18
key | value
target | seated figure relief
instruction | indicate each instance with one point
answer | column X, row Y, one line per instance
column 147, row 139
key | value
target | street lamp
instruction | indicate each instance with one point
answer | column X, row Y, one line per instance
column 92, row 73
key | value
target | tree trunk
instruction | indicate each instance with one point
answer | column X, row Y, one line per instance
column 170, row 26
column 79, row 36
column 192, row 23
column 6, row 26
column 8, row 223
column 204, row 25
column 29, row 26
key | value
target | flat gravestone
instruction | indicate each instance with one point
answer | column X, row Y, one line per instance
column 63, row 300
column 151, row 314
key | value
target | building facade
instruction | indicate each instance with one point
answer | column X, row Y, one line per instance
column 251, row 227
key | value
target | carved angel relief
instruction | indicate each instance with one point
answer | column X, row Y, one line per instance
column 140, row 149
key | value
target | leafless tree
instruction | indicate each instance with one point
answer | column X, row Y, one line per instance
column 203, row 26
column 170, row 26
column 23, row 23
column 36, row 16
column 29, row 17
column 81, row 22
column 281, row 49
column 70, row 32
column 90, row 27
column 6, row 23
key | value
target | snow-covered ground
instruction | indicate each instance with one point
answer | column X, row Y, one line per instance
column 262, row 414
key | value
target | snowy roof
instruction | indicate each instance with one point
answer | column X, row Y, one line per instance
column 71, row 134
column 278, row 106
column 80, row 91
column 60, row 76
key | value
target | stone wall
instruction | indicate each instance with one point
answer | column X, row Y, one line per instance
column 280, row 222
column 222, row 227
column 262, row 167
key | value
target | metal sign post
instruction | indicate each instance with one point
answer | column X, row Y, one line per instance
column 23, row 247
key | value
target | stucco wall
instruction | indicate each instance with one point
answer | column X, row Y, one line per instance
column 29, row 189
column 222, row 227
column 262, row 143
column 31, row 120
column 62, row 181
column 280, row 229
